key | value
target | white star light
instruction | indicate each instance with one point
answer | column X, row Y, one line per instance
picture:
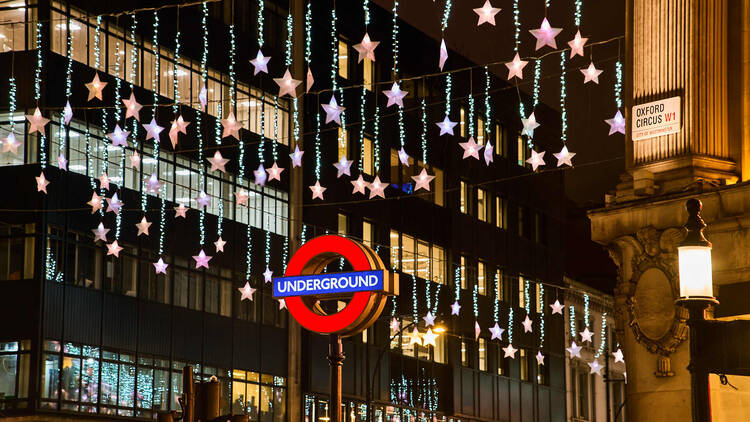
column 203, row 96
column 429, row 320
column 114, row 249
column 539, row 358
column 596, row 367
column 201, row 260
column 576, row 45
column 529, row 124
column 274, row 172
column 477, row 330
column 160, row 266
column 574, row 350
column 366, row 48
column 564, row 157
column 246, row 291
column 618, row 356
column 119, row 137
column 422, row 180
column 114, row 204
column 287, row 85
column 343, row 167
column 317, row 190
column 100, row 233
column 268, row 275
column 488, row 156
column 36, row 122
column 95, row 202
column 446, row 126
column 403, row 157
column 616, row 123
column 497, row 332
column 62, row 162
column 152, row 184
column 510, row 351
column 95, row 88
column 455, row 308
column 586, row 335
column 377, row 188
column 282, row 304
column 557, row 307
column 545, row 35
column 395, row 95
column 591, row 74
column 132, row 108
column 104, row 181
column 443, row 55
column 296, row 156
column 152, row 130
column 143, row 226
column 260, row 63
column 203, row 200
column 471, row 148
column 359, row 185
column 230, row 127
column 11, row 144
column 218, row 162
column 135, row 160
column 219, row 244
column 395, row 325
column 241, row 196
column 536, row 160
column 429, row 338
column 260, row 175
column 333, row 111
column 310, row 80
column 487, row 13
column 527, row 324
column 515, row 67
column 67, row 113
column 416, row 338
column 180, row 210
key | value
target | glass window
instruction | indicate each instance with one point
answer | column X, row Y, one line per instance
column 438, row 183
column 464, row 197
column 395, row 250
column 368, row 158
column 423, row 260
column 481, row 278
column 343, row 143
column 368, row 233
column 438, row 264
column 500, row 212
column 462, row 122
column 500, row 285
column 343, row 59
column 501, row 361
column 408, row 254
column 480, row 130
column 523, row 363
column 464, row 354
column 501, row 144
column 521, row 149
column 463, row 275
column 522, row 293
column 13, row 29
column 342, row 224
column 14, row 378
column 582, row 390
column 482, row 349
column 368, row 73
column 482, row 205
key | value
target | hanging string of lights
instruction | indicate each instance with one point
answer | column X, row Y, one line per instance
column 496, row 301
column 577, row 13
column 64, row 133
column 572, row 318
column 261, row 5
column 376, row 137
column 510, row 326
column 396, row 72
column 586, row 313
column 118, row 115
column 155, row 88
column 541, row 313
column 38, row 93
column 618, row 84
column 563, row 94
column 487, row 106
column 603, row 334
column 423, row 135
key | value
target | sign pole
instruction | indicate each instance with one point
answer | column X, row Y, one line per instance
column 336, row 360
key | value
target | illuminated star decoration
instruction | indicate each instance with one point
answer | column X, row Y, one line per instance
column 317, row 190
column 395, row 325
column 515, row 68
column 203, row 200
column 287, row 85
column 11, row 144
column 180, row 210
column 618, row 356
column 343, row 167
column 446, row 126
column 218, row 162
column 455, row 308
column 395, row 95
column 616, row 124
column 527, row 324
column 241, row 196
column 377, row 188
column 296, row 156
column 557, row 307
column 443, row 54
column 477, row 330
column 403, row 157
column 36, row 122
column 591, row 74
column 203, row 96
column 510, row 351
column 268, row 275
column 100, row 233
column 415, row 337
column 488, row 156
column 576, row 45
column 359, row 185
column 231, row 128
column 152, row 184
column 586, row 335
column 114, row 204
column 545, row 35
column 95, row 87
column 152, row 130
column 67, row 113
column 529, row 124
column 160, row 266
column 119, row 137
column 246, row 291
column 95, row 202
column 333, row 111
column 219, row 244
column 429, row 320
column 132, row 108
column 574, row 350
column 260, row 175
column 497, row 332
column 487, row 13
column 429, row 338
column 422, row 180
column 135, row 160
column 274, row 172
column 471, row 148
column 310, row 80
column 282, row 304
column 539, row 358
column 143, row 226
column 564, row 156
column 104, row 181
column 178, row 125
column 536, row 160
column 366, row 48
column 596, row 367
column 62, row 162
column 201, row 260
column 114, row 249
column 260, row 63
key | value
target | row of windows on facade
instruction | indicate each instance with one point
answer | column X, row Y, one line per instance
column 267, row 207
column 90, row 379
column 584, row 400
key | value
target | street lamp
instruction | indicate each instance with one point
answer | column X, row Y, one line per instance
column 696, row 294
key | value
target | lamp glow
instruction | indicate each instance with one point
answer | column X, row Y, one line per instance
column 695, row 271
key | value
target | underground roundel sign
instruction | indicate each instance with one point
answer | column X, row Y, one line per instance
column 304, row 285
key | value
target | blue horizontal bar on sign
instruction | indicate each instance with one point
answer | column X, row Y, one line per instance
column 329, row 283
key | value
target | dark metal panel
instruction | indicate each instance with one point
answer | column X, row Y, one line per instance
column 83, row 320
column 53, row 308
column 274, row 352
column 543, row 404
column 154, row 328
column 557, row 372
column 514, row 402
column 217, row 341
column 20, row 313
column 119, row 322
column 245, row 345
column 557, row 406
column 467, row 391
column 502, row 396
column 485, row 395
column 319, row 382
column 527, row 401
column 187, row 333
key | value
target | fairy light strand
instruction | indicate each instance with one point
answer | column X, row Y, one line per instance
column 376, row 139
column 517, row 26
column 274, row 153
column 155, row 89
column 414, row 301
column 423, row 135
column 396, row 72
column 496, row 302
column 510, row 326
column 475, row 300
column 261, row 5
column 448, row 89
column 563, row 94
column 586, row 312
column 64, row 129
column 487, row 104
column 618, row 84
column 471, row 114
column 603, row 335
column 363, row 120
column 577, row 13
column 541, row 313
column 572, row 313
column 288, row 42
column 446, row 15
column 118, row 115
column 38, row 92
column 308, row 34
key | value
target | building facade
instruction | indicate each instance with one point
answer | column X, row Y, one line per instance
column 108, row 336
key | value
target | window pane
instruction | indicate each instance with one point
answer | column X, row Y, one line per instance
column 50, row 376
column 343, row 59
column 9, row 363
column 423, row 260
column 438, row 264
column 395, row 250
column 481, row 278
column 367, row 156
column 408, row 254
column 482, row 354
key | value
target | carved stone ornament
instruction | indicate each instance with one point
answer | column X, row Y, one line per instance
column 648, row 297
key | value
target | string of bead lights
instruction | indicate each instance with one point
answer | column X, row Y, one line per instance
column 487, row 106
column 563, row 94
column 118, row 115
column 603, row 335
column 38, row 94
column 155, row 88
column 572, row 318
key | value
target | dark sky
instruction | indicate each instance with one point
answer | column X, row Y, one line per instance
column 600, row 158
